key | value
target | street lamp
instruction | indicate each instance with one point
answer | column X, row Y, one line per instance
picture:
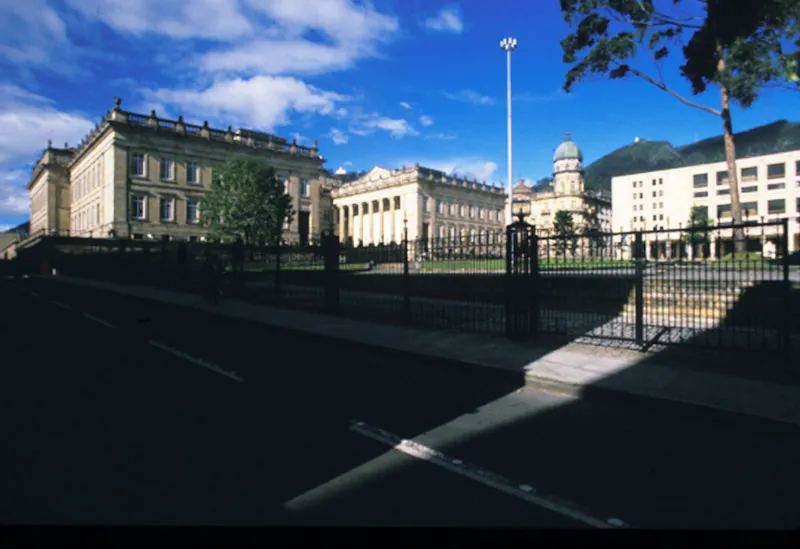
column 509, row 44
column 521, row 209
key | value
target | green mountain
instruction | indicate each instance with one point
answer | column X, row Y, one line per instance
column 647, row 156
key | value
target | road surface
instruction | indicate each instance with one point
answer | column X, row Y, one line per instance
column 122, row 411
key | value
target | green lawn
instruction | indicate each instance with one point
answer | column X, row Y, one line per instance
column 492, row 265
column 317, row 266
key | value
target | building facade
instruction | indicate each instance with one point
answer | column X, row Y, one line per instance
column 137, row 176
column 589, row 209
column 377, row 208
column 769, row 190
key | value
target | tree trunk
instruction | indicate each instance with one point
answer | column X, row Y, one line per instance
column 730, row 158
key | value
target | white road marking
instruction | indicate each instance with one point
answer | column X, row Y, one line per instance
column 62, row 305
column 488, row 478
column 198, row 361
column 99, row 320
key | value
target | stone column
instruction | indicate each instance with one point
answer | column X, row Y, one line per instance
column 365, row 218
column 340, row 211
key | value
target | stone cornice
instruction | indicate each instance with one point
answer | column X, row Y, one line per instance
column 120, row 120
column 414, row 174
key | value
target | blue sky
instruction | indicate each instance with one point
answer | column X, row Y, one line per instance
column 392, row 82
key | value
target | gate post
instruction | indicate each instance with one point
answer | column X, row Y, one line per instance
column 508, row 287
column 533, row 285
column 786, row 308
column 406, row 277
column 331, row 258
column 638, row 257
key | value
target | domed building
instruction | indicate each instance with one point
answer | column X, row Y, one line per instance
column 588, row 208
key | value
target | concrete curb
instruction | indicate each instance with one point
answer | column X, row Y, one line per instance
column 518, row 377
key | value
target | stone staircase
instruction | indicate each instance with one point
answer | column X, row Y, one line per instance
column 685, row 300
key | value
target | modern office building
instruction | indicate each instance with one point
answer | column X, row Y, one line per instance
column 769, row 190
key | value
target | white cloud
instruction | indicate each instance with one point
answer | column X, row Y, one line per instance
column 31, row 32
column 448, row 20
column 4, row 227
column 405, row 105
column 368, row 124
column 14, row 198
column 426, row 120
column 179, row 19
column 340, row 171
column 441, row 136
column 469, row 167
column 347, row 163
column 261, row 102
column 352, row 31
column 469, row 96
column 27, row 121
column 528, row 97
column 338, row 136
column 297, row 137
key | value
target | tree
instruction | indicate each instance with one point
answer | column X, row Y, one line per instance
column 590, row 227
column 246, row 199
column 697, row 230
column 564, row 229
column 739, row 45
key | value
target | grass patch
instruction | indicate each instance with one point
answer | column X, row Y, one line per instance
column 271, row 267
column 491, row 265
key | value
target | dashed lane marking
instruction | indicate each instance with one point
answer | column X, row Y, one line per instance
column 60, row 304
column 522, row 491
column 198, row 361
column 98, row 320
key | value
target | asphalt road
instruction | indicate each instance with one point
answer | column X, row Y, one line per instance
column 132, row 415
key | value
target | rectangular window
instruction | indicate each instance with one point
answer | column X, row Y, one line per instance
column 776, row 186
column 700, row 194
column 776, row 171
column 166, row 169
column 424, row 203
column 192, row 173
column 661, row 217
column 660, row 181
column 634, row 196
column 166, row 209
column 304, row 187
column 138, row 207
column 722, row 192
column 750, row 189
column 700, row 180
column 722, row 178
column 654, row 194
column 396, row 202
column 750, row 208
column 641, row 218
column 723, row 210
column 797, row 169
column 776, row 206
column 661, row 193
column 471, row 211
column 192, row 212
column 797, row 206
column 438, row 206
column 655, row 217
column 641, row 195
column 749, row 174
column 138, row 164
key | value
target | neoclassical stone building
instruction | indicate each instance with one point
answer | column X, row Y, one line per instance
column 372, row 209
column 568, row 193
column 138, row 176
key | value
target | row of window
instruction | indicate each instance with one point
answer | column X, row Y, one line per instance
column 86, row 219
column 660, row 192
column 89, row 180
column 777, row 206
column 463, row 210
column 640, row 184
column 166, row 169
column 166, row 209
column 747, row 175
column 304, row 187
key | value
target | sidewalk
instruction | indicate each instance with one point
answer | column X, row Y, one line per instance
column 576, row 369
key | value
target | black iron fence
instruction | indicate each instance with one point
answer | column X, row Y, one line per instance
column 681, row 287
